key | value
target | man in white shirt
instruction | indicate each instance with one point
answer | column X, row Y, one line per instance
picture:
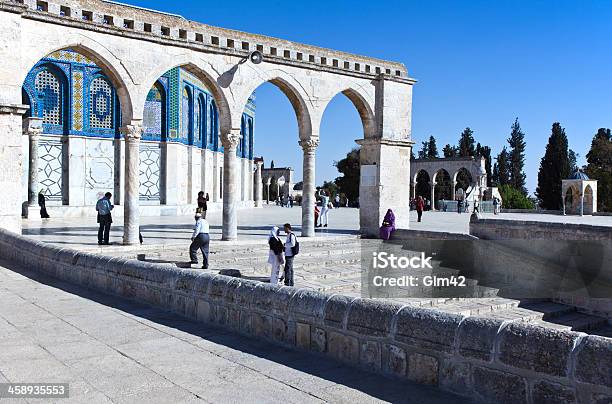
column 290, row 244
column 200, row 239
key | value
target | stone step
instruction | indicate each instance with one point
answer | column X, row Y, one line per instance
column 574, row 321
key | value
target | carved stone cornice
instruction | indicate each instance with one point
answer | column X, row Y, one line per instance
column 309, row 145
column 13, row 109
column 32, row 127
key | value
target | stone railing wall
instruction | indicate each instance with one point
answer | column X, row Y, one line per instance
column 499, row 229
column 149, row 24
column 489, row 360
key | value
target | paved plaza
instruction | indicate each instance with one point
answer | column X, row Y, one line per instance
column 255, row 223
column 112, row 350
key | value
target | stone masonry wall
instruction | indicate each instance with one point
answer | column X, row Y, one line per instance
column 499, row 229
column 489, row 360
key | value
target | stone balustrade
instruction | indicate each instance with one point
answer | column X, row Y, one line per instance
column 486, row 359
column 155, row 25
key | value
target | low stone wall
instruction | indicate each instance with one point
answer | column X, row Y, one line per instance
column 489, row 360
column 535, row 211
column 499, row 229
column 409, row 234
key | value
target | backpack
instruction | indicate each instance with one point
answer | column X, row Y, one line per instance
column 295, row 250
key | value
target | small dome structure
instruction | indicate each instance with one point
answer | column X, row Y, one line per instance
column 579, row 175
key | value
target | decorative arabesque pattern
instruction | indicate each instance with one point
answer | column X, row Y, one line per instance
column 149, row 171
column 152, row 119
column 50, row 168
column 100, row 104
column 48, row 88
column 185, row 112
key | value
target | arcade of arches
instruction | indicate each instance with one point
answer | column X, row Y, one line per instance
column 154, row 108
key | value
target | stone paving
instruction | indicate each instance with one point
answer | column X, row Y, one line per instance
column 115, row 351
column 254, row 223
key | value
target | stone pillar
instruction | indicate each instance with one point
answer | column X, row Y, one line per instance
column 308, row 191
column 433, row 194
column 582, row 203
column 414, row 185
column 257, row 184
column 381, row 187
column 32, row 127
column 11, row 156
column 131, row 214
column 268, row 182
column 453, row 189
column 231, row 182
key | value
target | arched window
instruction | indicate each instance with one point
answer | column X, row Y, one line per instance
column 49, row 93
column 186, row 116
column 201, row 121
column 154, row 119
column 250, row 138
column 100, row 104
column 213, row 125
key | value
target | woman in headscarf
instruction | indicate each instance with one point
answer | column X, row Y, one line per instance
column 388, row 225
column 42, row 204
column 275, row 255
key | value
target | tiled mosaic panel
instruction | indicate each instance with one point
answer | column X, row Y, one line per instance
column 150, row 158
column 49, row 87
column 152, row 119
column 77, row 100
column 68, row 55
column 185, row 113
column 50, row 168
column 175, row 98
column 100, row 104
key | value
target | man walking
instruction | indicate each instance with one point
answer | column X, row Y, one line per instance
column 420, row 205
column 324, row 216
column 200, row 240
column 291, row 250
column 104, row 207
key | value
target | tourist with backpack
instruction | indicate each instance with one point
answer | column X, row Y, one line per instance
column 292, row 248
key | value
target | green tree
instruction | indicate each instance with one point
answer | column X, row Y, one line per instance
column 500, row 169
column 599, row 167
column 466, row 143
column 432, row 148
column 449, row 151
column 349, row 167
column 424, row 150
column 554, row 167
column 516, row 158
column 573, row 160
column 512, row 198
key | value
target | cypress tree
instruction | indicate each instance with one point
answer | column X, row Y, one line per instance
column 502, row 175
column 466, row 143
column 599, row 167
column 554, row 167
column 516, row 158
column 424, row 150
column 432, row 148
column 449, row 151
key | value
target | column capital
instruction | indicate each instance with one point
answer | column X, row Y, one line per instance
column 231, row 139
column 32, row 126
column 13, row 109
column 132, row 132
column 309, row 145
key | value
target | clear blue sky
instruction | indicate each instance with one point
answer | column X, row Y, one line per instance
column 479, row 64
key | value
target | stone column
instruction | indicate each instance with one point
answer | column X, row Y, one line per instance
column 131, row 214
column 433, row 194
column 11, row 156
column 231, row 182
column 32, row 127
column 380, row 185
column 453, row 190
column 582, row 203
column 258, row 184
column 414, row 185
column 308, row 191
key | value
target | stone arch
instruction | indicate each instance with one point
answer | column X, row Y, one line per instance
column 112, row 68
column 459, row 182
column 186, row 62
column 363, row 107
column 422, row 186
column 442, row 190
column 290, row 87
column 588, row 200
